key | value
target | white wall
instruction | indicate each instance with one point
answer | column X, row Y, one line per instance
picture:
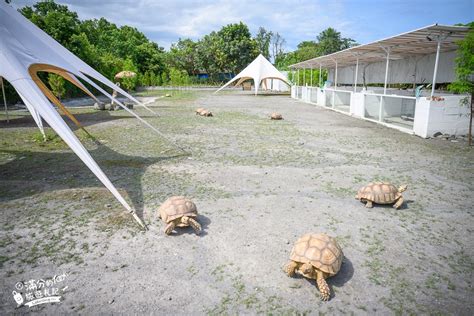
column 276, row 85
column 401, row 71
column 447, row 117
column 357, row 104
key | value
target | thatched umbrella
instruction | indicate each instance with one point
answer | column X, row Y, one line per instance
column 125, row 74
column 121, row 75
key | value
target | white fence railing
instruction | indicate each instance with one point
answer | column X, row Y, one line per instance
column 338, row 99
column 313, row 95
column 392, row 109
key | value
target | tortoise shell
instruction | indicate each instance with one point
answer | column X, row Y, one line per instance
column 276, row 116
column 379, row 192
column 177, row 206
column 206, row 113
column 320, row 250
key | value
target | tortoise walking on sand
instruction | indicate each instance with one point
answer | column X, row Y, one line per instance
column 316, row 256
column 178, row 211
column 381, row 193
column 199, row 110
column 276, row 116
column 206, row 113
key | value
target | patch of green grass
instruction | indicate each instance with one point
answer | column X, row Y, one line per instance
column 6, row 241
column 192, row 270
column 3, row 259
column 330, row 187
column 241, row 300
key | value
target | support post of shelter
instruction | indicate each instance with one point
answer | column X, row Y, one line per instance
column 311, row 80
column 387, row 50
column 4, row 100
column 304, row 76
column 335, row 88
column 435, row 71
column 386, row 70
column 320, row 75
column 356, row 73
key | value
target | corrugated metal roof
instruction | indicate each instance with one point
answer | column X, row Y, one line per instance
column 422, row 41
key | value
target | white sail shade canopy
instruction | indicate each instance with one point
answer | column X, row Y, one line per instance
column 258, row 70
column 26, row 50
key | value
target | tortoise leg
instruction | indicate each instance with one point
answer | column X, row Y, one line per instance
column 194, row 224
column 170, row 227
column 369, row 204
column 323, row 286
column 399, row 203
column 290, row 268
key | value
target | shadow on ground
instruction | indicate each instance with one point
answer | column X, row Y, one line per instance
column 86, row 119
column 40, row 172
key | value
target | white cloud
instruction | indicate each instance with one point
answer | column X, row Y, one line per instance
column 165, row 21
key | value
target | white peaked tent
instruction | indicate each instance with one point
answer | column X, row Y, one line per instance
column 259, row 70
column 26, row 50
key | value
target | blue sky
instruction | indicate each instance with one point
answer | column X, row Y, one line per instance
column 165, row 21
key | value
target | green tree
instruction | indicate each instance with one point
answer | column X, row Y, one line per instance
column 277, row 42
column 129, row 83
column 98, row 42
column 178, row 77
column 236, row 46
column 54, row 19
column 56, row 84
column 208, row 55
column 263, row 40
column 183, row 55
column 164, row 78
column 330, row 41
column 82, row 48
column 307, row 50
column 465, row 73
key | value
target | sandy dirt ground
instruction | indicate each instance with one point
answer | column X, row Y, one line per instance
column 258, row 185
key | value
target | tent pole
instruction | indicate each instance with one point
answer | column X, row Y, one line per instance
column 435, row 71
column 138, row 219
column 4, row 100
column 356, row 72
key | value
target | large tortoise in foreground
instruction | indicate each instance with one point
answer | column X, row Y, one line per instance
column 178, row 211
column 316, row 256
column 381, row 193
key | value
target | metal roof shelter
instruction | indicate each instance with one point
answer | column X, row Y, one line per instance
column 427, row 40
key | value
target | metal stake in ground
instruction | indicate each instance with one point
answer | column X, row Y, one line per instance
column 4, row 99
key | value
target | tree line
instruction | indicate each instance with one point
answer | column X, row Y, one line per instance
column 216, row 56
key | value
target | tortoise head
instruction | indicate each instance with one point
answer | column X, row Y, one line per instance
column 307, row 270
column 402, row 188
